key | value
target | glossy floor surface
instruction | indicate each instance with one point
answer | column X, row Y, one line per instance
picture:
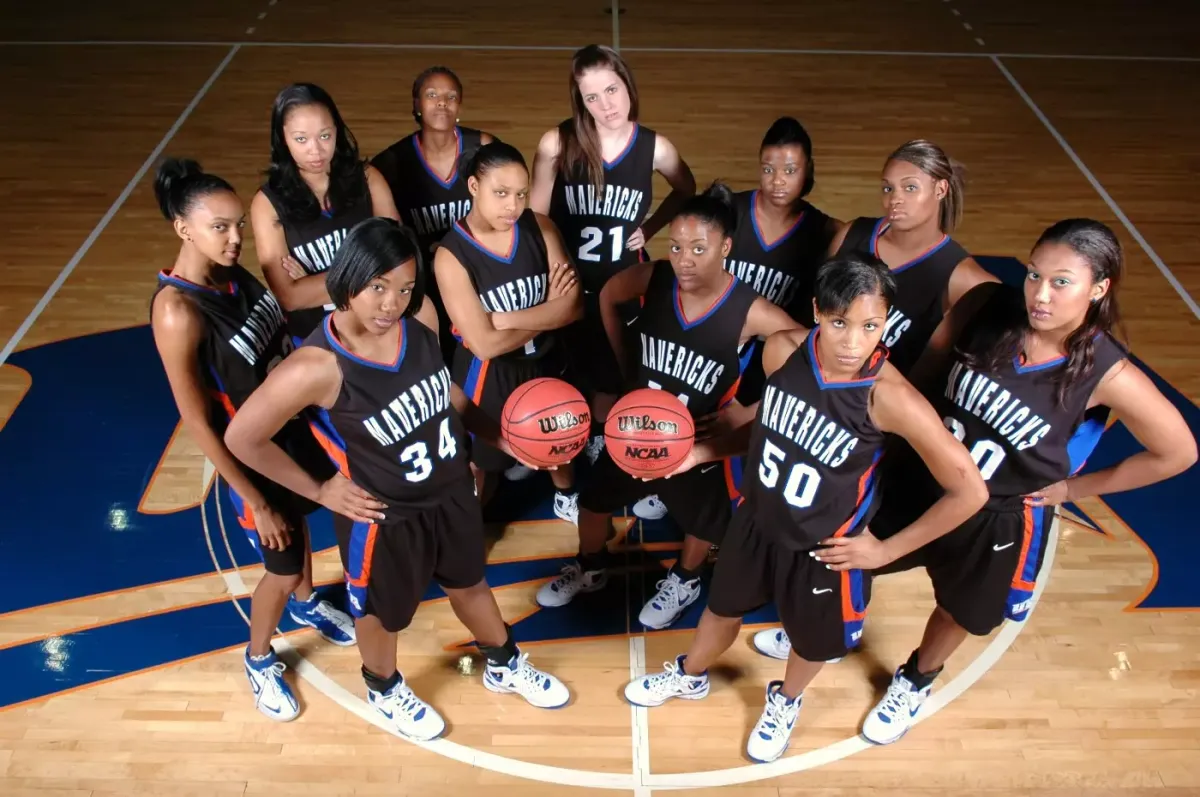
column 120, row 644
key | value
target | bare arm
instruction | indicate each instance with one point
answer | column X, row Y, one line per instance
column 839, row 238
column 559, row 309
column 624, row 286
column 941, row 343
column 545, row 161
column 898, row 408
column 467, row 314
column 966, row 276
column 178, row 329
column 382, row 201
column 428, row 315
column 271, row 247
column 485, row 138
column 765, row 319
column 678, row 175
column 1152, row 420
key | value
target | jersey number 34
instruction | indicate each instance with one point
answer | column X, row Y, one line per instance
column 417, row 454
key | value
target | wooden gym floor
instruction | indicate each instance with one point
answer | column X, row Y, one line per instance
column 120, row 649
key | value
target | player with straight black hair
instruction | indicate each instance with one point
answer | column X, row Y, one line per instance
column 509, row 288
column 422, row 170
column 317, row 188
column 390, row 416
column 202, row 314
column 705, row 316
column 799, row 538
column 1027, row 384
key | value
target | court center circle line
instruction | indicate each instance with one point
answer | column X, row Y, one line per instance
column 586, row 778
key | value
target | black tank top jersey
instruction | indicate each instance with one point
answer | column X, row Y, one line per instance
column 514, row 280
column 698, row 360
column 595, row 224
column 428, row 203
column 811, row 469
column 397, row 434
column 920, row 285
column 783, row 270
column 1019, row 435
column 244, row 339
column 313, row 244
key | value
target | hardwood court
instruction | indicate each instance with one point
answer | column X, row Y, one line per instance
column 130, row 680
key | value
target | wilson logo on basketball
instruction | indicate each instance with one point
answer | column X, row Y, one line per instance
column 563, row 421
column 642, row 452
column 644, row 423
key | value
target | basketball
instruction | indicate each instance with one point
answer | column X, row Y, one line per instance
column 648, row 433
column 546, row 421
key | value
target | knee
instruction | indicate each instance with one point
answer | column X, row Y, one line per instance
column 285, row 583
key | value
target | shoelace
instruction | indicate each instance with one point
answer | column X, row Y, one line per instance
column 271, row 685
column 668, row 593
column 896, row 700
column 527, row 672
column 570, row 572
column 774, row 714
column 664, row 681
column 408, row 701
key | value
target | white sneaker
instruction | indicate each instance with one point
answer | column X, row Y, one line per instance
column 522, row 678
column 650, row 508
column 333, row 624
column 272, row 695
column 774, row 642
column 573, row 581
column 566, row 506
column 674, row 595
column 595, row 445
column 654, row 690
column 894, row 715
column 773, row 732
column 517, row 472
column 408, row 714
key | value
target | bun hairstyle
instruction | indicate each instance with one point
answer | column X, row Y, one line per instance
column 713, row 206
column 787, row 131
column 933, row 161
column 180, row 184
column 490, row 156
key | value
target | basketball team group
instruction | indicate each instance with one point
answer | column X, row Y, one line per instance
column 814, row 402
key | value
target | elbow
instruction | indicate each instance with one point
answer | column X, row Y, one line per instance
column 1185, row 456
column 481, row 349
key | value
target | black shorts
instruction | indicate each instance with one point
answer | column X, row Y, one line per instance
column 700, row 500
column 823, row 611
column 298, row 441
column 489, row 383
column 388, row 567
column 984, row 572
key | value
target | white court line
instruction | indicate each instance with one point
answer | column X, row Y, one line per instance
column 1112, row 205
column 642, row 784
column 37, row 310
column 571, row 49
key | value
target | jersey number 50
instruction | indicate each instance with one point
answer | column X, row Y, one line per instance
column 593, row 237
column 800, row 489
column 988, row 455
column 417, row 454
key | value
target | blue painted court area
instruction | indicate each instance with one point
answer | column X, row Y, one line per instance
column 99, row 409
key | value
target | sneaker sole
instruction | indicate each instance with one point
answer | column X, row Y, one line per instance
column 412, row 736
column 771, row 654
column 769, row 760
column 500, row 690
column 307, row 624
column 595, row 588
column 696, row 696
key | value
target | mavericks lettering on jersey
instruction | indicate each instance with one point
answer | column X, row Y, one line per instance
column 317, row 256
column 774, row 286
column 412, row 408
column 518, row 294
column 1007, row 414
column 897, row 323
column 695, row 370
column 259, row 329
column 434, row 219
column 808, row 428
column 618, row 201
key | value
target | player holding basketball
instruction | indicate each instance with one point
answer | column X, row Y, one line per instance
column 779, row 243
column 593, row 175
column 799, row 538
column 393, row 420
column 693, row 331
column 317, row 188
column 508, row 287
column 1027, row 386
column 422, row 170
column 922, row 203
column 218, row 332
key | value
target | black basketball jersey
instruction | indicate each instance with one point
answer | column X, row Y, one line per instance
column 244, row 339
column 810, row 472
column 506, row 282
column 699, row 360
column 784, row 270
column 596, row 224
column 428, row 202
column 1019, row 435
column 920, row 285
column 313, row 244
column 398, row 436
